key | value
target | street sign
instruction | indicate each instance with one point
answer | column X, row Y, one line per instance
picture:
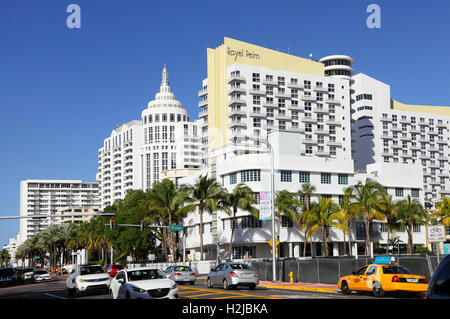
column 276, row 242
column 436, row 234
column 151, row 257
column 176, row 227
column 129, row 258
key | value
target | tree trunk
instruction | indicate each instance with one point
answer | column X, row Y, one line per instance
column 201, row 231
column 304, row 243
column 410, row 240
column 345, row 248
column 232, row 233
column 349, row 238
column 367, row 226
column 171, row 239
column 388, row 237
column 324, row 239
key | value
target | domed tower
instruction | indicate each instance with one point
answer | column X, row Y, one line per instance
column 339, row 66
column 166, row 129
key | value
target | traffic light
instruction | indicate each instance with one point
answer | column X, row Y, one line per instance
column 142, row 225
column 111, row 224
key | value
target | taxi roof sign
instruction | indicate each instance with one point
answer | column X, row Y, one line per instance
column 384, row 260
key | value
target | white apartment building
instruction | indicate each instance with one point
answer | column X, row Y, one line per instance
column 388, row 131
column 136, row 154
column 46, row 197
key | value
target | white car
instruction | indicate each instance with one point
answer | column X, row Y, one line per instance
column 143, row 283
column 85, row 278
column 41, row 275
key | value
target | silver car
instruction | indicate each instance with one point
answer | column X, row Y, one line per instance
column 181, row 274
column 233, row 274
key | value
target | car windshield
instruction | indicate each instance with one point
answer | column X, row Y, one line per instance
column 182, row 268
column 145, row 274
column 240, row 266
column 41, row 272
column 395, row 270
column 91, row 270
column 6, row 272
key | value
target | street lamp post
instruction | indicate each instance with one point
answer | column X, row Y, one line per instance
column 272, row 205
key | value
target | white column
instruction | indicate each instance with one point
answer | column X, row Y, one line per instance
column 297, row 250
column 335, row 249
column 291, row 252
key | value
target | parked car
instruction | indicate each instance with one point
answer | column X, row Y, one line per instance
column 28, row 274
column 113, row 269
column 439, row 287
column 67, row 269
column 85, row 278
column 230, row 275
column 143, row 283
column 181, row 274
column 23, row 274
column 8, row 277
column 41, row 275
column 383, row 278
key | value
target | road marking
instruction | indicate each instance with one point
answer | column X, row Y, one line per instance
column 300, row 288
column 231, row 294
column 201, row 295
column 55, row 296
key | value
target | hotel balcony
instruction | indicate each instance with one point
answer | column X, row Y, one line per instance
column 257, row 114
column 441, row 141
column 386, row 137
column 269, row 104
column 416, row 147
column 295, row 86
column 320, row 110
column 309, row 98
column 256, row 92
column 406, row 155
column 405, row 138
column 236, row 102
column 283, row 117
column 203, row 114
column 386, row 119
column 442, row 158
column 309, row 120
column 333, row 122
column 296, row 130
column 423, row 123
column 334, row 143
column 203, row 92
column 396, row 129
column 321, row 132
column 309, row 141
column 232, row 113
column 322, row 153
column 441, row 125
column 433, row 133
column 434, row 183
column 445, row 191
column 234, row 78
column 386, row 154
column 443, row 174
column 283, row 95
column 269, row 82
column 295, row 108
column 203, row 103
column 237, row 124
column 404, row 121
column 424, row 140
column 236, row 89
column 433, row 149
column 397, row 146
column 414, row 130
column 437, row 166
column 425, row 157
column 332, row 101
column 320, row 89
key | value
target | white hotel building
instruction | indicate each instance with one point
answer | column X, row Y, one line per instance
column 136, row 153
column 48, row 197
column 312, row 110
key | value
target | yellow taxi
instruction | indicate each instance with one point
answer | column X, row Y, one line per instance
column 383, row 276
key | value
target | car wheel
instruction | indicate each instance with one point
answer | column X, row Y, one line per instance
column 77, row 292
column 127, row 296
column 344, row 288
column 252, row 287
column 192, row 282
column 70, row 291
column 378, row 290
column 209, row 283
column 225, row 285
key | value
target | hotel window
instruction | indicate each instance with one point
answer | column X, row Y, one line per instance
column 307, row 84
column 270, row 112
column 256, row 100
column 319, row 96
column 255, row 77
column 333, row 150
column 394, row 118
column 325, row 178
column 256, row 87
column 332, row 109
column 250, row 222
column 256, row 122
column 281, row 103
column 280, row 80
column 320, row 139
column 415, row 192
column 399, row 192
column 239, row 252
column 332, row 129
column 286, row 222
column 293, row 81
column 156, row 118
column 253, row 175
column 343, row 179
column 294, row 115
column 320, row 118
column 413, row 120
column 282, row 125
column 269, row 90
column 304, row 177
column 294, row 93
column 308, row 149
column 330, row 87
column 286, row 176
column 308, row 127
column 307, row 106
column 233, row 179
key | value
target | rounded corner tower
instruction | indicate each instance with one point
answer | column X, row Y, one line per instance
column 339, row 66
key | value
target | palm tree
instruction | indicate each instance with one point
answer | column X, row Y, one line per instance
column 203, row 196
column 346, row 218
column 443, row 211
column 388, row 208
column 305, row 193
column 323, row 215
column 242, row 197
column 363, row 199
column 411, row 213
column 51, row 239
column 168, row 202
column 285, row 202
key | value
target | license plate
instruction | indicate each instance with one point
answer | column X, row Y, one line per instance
column 247, row 275
column 186, row 279
column 412, row 279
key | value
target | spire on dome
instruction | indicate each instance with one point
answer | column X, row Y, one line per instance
column 165, row 77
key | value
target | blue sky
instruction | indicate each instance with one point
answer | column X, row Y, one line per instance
column 63, row 90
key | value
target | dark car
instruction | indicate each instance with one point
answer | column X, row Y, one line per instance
column 8, row 276
column 22, row 274
column 439, row 286
column 114, row 269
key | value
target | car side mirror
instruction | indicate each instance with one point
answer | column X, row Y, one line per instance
column 212, row 269
column 167, row 275
column 120, row 281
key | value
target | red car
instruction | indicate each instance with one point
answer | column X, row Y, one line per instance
column 113, row 269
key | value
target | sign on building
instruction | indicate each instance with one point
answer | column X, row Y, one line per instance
column 436, row 234
column 265, row 206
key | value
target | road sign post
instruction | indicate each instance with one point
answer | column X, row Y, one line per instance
column 436, row 234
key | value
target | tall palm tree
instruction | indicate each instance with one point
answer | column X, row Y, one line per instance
column 168, row 201
column 364, row 197
column 347, row 216
column 388, row 208
column 443, row 211
column 203, row 197
column 323, row 215
column 305, row 194
column 51, row 239
column 286, row 203
column 411, row 213
column 242, row 198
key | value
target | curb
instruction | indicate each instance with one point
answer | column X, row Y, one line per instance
column 329, row 290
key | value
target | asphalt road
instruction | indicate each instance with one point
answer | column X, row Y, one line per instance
column 56, row 289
